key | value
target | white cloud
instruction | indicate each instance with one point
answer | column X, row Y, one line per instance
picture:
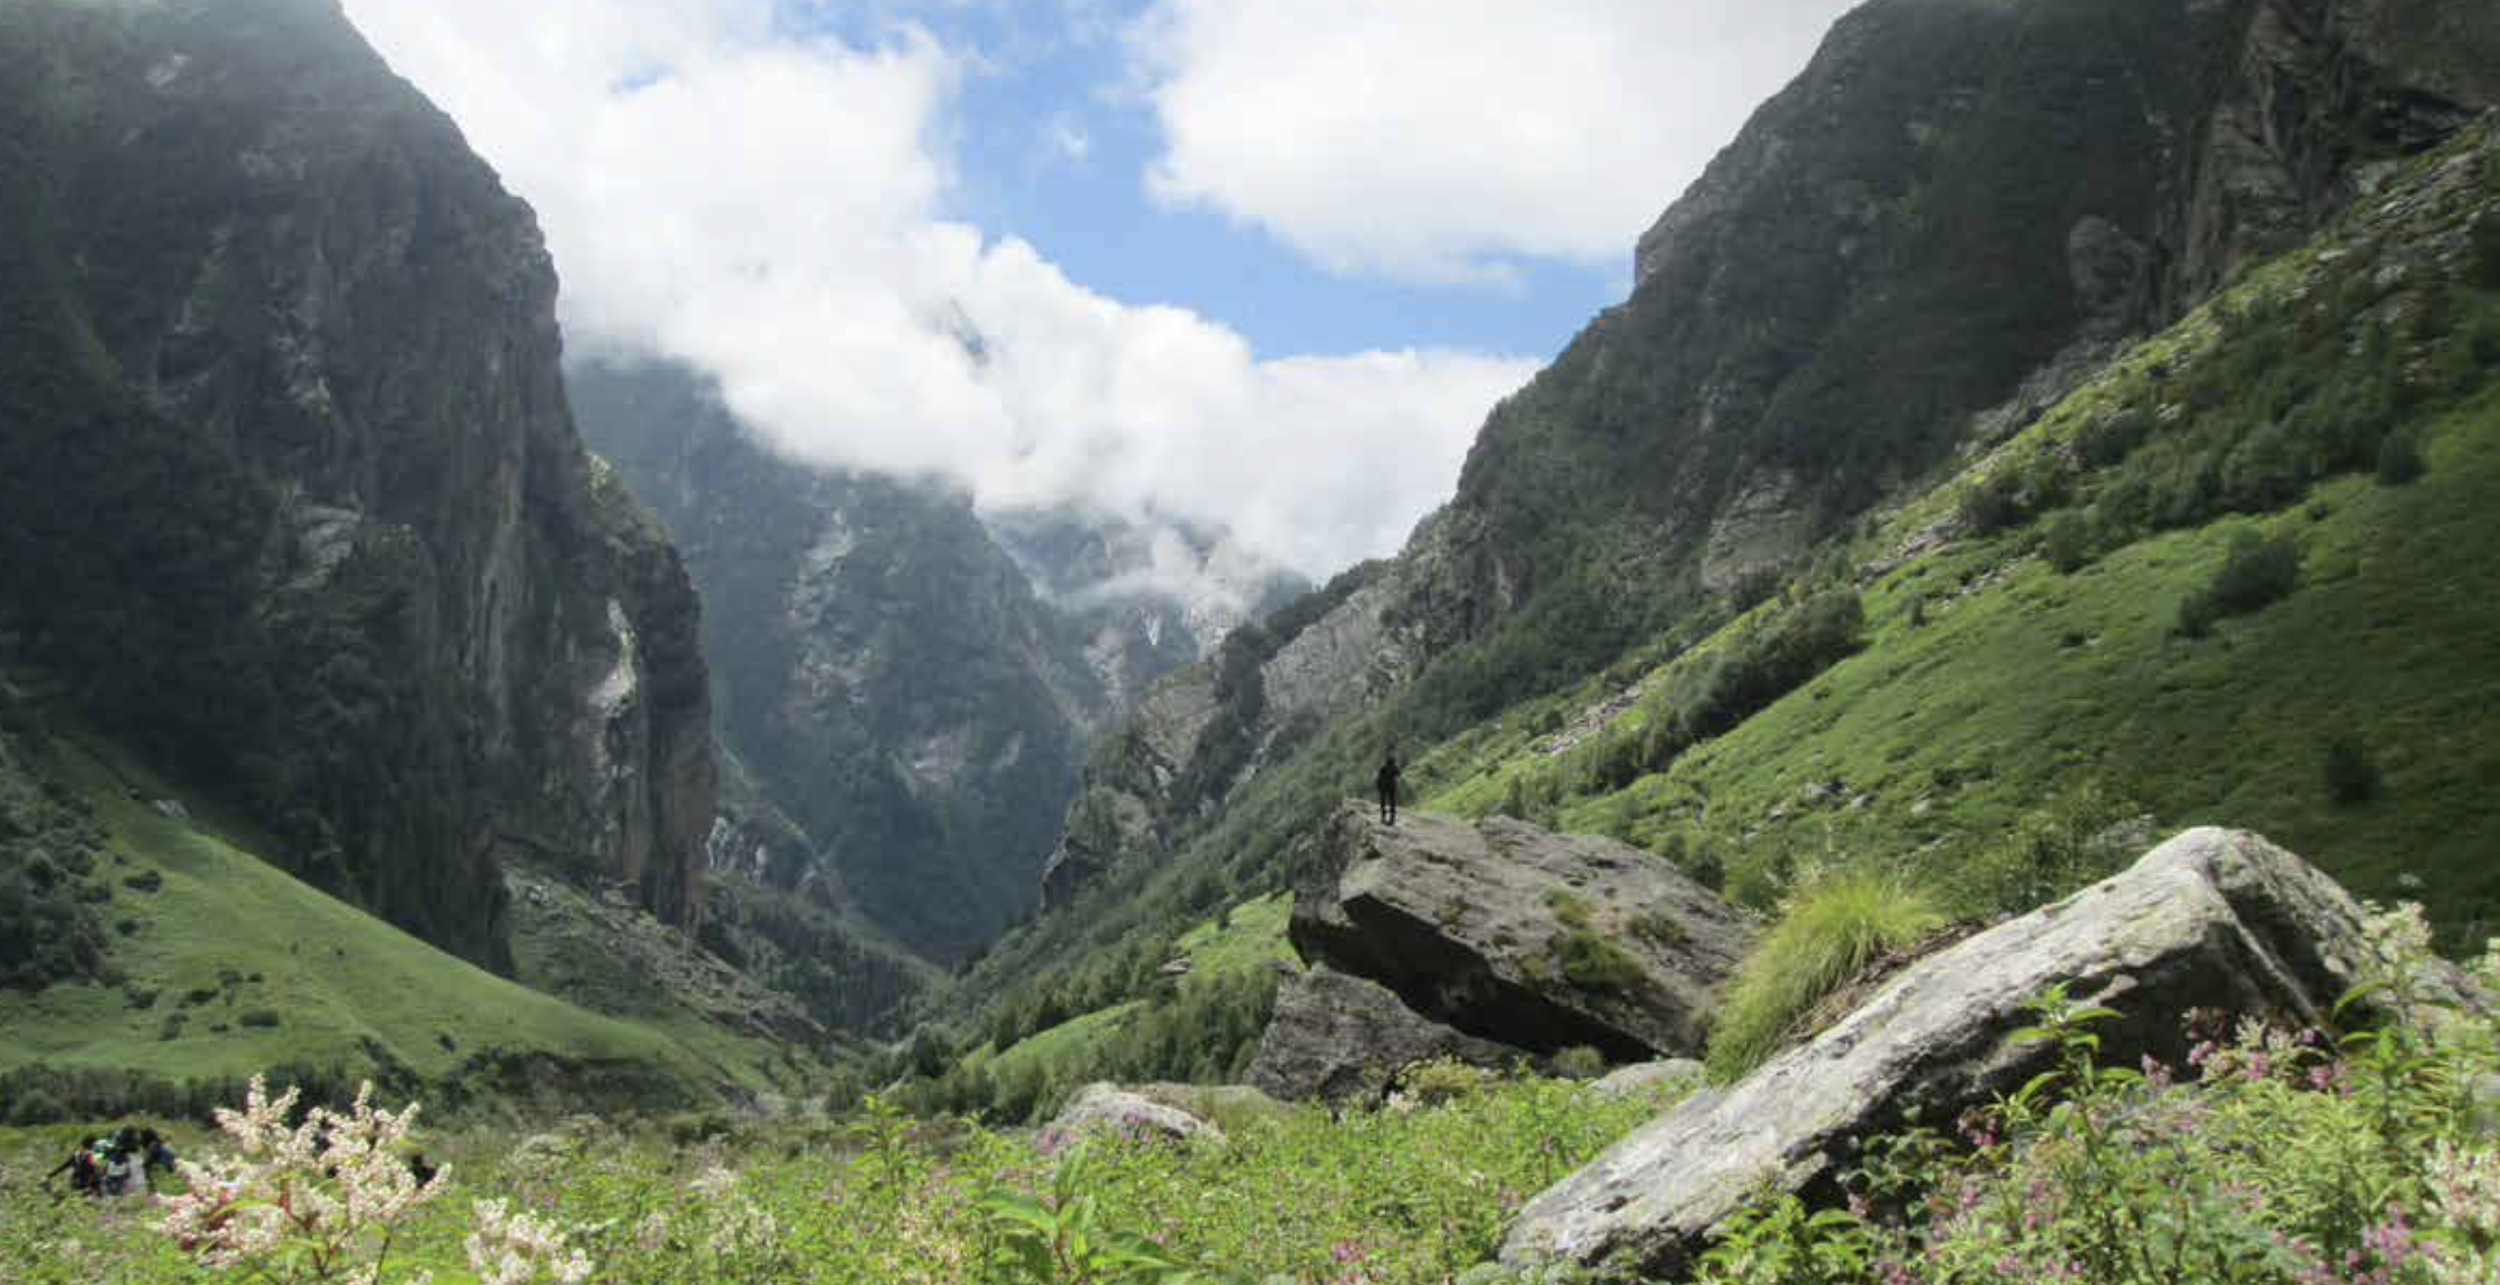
column 767, row 207
column 1446, row 140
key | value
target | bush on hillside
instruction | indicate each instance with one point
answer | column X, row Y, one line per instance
column 1770, row 662
column 2399, row 460
column 1993, row 504
column 2051, row 854
column 2066, row 542
column 2351, row 774
column 1828, row 935
column 2258, row 572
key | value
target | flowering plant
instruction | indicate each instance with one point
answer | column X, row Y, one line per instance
column 317, row 1201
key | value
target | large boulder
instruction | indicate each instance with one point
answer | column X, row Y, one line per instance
column 1342, row 1038
column 1107, row 1110
column 2212, row 919
column 1515, row 934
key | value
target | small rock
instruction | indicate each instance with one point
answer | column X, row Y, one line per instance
column 1630, row 1081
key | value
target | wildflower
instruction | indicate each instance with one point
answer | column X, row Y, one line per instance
column 332, row 1187
column 515, row 1247
column 716, row 1182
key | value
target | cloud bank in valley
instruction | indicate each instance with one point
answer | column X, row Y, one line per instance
column 723, row 184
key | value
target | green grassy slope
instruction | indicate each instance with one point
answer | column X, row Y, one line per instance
column 227, row 966
column 1220, row 1004
column 1992, row 685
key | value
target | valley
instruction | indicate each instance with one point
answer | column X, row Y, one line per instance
column 1948, row 734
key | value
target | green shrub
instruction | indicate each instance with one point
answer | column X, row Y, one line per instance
column 1993, row 504
column 1659, row 927
column 1443, row 1081
column 1570, row 910
column 1594, row 963
column 2053, row 853
column 2257, row 572
column 1579, row 1062
column 2351, row 775
column 1828, row 935
column 2066, row 542
column 2399, row 460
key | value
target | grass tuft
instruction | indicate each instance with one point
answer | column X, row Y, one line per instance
column 1828, row 935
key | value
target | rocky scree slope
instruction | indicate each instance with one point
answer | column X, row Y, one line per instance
column 289, row 488
column 1951, row 218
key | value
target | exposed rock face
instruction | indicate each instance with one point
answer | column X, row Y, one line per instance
column 1208, row 730
column 890, row 678
column 1107, row 1109
column 1512, row 933
column 290, row 479
column 1342, row 1038
column 2212, row 919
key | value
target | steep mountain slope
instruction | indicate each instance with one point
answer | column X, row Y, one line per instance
column 288, row 484
column 2236, row 579
column 898, row 692
column 220, row 966
column 1958, row 214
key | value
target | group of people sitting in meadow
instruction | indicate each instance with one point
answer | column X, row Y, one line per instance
column 117, row 1165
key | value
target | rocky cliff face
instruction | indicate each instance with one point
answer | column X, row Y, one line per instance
column 890, row 676
column 289, row 481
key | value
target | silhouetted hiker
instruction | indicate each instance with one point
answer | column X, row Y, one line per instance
column 1387, row 782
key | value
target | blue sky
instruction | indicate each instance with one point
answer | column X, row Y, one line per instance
column 1093, row 216
column 1266, row 264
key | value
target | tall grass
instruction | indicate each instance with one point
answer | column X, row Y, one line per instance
column 1828, row 934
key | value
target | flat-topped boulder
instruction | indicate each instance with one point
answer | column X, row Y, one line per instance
column 1516, row 934
column 1341, row 1039
column 2213, row 919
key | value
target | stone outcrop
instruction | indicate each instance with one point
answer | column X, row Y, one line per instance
column 1109, row 1110
column 2213, row 919
column 1643, row 1077
column 1344, row 1039
column 290, row 480
column 1509, row 932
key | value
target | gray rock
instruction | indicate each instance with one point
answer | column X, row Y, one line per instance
column 1108, row 1110
column 1342, row 1038
column 2213, row 919
column 1468, row 924
column 1628, row 1081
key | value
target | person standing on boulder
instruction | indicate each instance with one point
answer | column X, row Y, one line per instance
column 1387, row 783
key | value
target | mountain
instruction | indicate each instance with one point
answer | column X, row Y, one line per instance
column 1958, row 218
column 1156, row 594
column 910, row 699
column 289, row 492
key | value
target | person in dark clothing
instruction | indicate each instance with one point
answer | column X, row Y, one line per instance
column 85, row 1169
column 1387, row 783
